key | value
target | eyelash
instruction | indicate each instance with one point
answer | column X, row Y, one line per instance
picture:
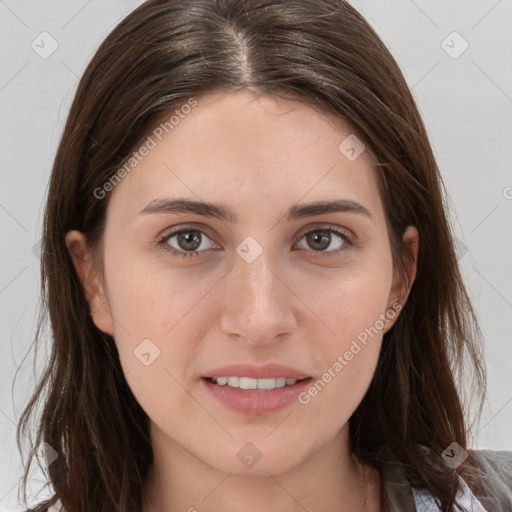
column 347, row 242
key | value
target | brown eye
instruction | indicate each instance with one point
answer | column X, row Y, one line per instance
column 187, row 242
column 318, row 240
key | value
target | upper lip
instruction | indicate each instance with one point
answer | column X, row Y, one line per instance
column 266, row 371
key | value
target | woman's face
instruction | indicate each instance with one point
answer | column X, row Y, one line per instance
column 258, row 279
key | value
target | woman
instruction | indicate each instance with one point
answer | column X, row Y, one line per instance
column 250, row 276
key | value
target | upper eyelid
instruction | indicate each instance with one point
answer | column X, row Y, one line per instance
column 168, row 233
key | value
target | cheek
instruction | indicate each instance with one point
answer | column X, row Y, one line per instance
column 160, row 315
column 145, row 298
column 354, row 308
column 155, row 336
column 351, row 301
column 346, row 363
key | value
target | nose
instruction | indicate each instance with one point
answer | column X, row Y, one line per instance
column 258, row 306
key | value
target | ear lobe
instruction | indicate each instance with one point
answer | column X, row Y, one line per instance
column 93, row 288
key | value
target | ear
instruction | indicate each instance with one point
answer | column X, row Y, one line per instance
column 402, row 282
column 92, row 284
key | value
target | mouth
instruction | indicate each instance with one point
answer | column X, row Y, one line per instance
column 253, row 396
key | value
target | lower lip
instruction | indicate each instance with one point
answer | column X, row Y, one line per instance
column 253, row 401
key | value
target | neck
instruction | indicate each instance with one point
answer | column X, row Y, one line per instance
column 331, row 480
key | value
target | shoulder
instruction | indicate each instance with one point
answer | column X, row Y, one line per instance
column 497, row 462
column 485, row 484
column 493, row 488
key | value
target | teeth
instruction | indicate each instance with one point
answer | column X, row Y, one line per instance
column 267, row 383
column 234, row 382
column 250, row 383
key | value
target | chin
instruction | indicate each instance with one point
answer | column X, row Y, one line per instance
column 256, row 458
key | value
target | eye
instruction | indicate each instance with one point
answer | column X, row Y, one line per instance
column 189, row 241
column 321, row 238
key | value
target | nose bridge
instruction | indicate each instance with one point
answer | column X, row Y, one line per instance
column 255, row 280
column 257, row 303
column 259, row 281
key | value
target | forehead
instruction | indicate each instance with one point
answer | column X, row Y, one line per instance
column 244, row 149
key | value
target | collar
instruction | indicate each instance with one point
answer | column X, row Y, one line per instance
column 399, row 496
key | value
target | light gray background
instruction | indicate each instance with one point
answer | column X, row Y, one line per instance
column 466, row 103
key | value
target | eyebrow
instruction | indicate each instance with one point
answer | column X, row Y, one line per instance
column 224, row 213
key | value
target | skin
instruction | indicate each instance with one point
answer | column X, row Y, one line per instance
column 259, row 156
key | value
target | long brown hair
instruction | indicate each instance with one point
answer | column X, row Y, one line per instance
column 324, row 53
